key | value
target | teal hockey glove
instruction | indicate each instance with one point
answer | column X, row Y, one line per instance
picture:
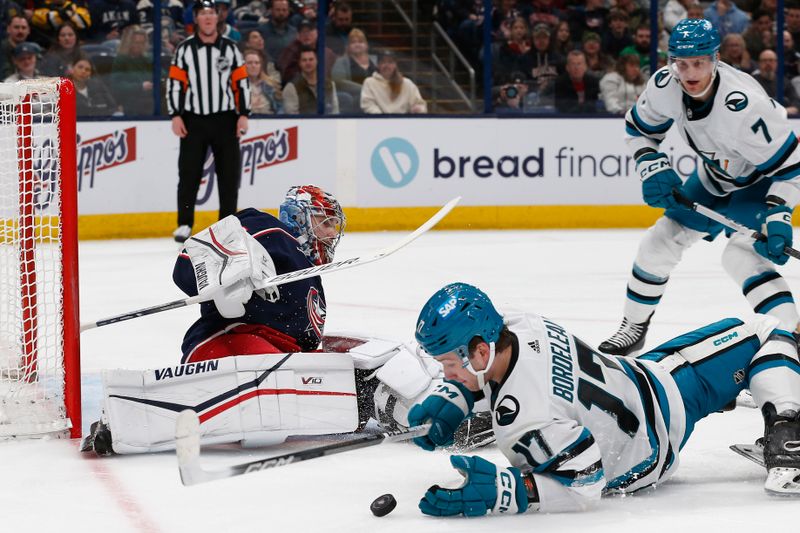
column 658, row 180
column 777, row 226
column 486, row 488
column 445, row 408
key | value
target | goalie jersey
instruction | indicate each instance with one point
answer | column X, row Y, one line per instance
column 585, row 423
column 740, row 135
column 299, row 310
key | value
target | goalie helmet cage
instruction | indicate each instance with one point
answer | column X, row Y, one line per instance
column 39, row 320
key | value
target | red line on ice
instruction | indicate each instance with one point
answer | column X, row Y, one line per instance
column 124, row 499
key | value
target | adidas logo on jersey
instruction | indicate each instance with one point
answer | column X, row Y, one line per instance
column 534, row 346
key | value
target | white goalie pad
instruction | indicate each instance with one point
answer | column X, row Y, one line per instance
column 256, row 400
column 405, row 378
column 368, row 353
column 397, row 363
column 408, row 374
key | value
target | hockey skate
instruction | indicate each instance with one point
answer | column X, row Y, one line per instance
column 781, row 451
column 628, row 340
column 182, row 233
column 98, row 440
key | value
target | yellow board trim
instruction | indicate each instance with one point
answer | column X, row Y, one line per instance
column 142, row 225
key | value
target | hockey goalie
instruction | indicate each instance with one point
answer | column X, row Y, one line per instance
column 256, row 366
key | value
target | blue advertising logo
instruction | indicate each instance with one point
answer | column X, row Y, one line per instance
column 394, row 162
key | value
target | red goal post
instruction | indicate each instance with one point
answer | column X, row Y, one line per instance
column 39, row 316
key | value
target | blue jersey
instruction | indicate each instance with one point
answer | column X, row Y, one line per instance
column 299, row 311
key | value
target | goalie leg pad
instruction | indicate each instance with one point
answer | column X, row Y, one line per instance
column 405, row 379
column 255, row 400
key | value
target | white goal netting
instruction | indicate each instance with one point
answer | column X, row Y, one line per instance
column 32, row 373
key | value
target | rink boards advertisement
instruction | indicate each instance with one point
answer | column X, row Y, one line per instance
column 388, row 173
column 502, row 162
column 133, row 167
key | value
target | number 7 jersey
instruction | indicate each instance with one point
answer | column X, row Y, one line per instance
column 740, row 134
column 585, row 423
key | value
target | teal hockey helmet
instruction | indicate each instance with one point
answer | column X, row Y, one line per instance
column 693, row 37
column 453, row 316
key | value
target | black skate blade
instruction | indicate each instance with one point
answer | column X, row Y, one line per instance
column 750, row 451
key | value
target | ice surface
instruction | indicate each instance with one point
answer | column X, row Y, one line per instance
column 575, row 277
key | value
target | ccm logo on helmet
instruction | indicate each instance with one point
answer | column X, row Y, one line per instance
column 448, row 306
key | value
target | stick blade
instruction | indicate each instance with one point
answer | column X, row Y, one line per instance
column 187, row 447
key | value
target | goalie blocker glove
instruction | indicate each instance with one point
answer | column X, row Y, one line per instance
column 486, row 488
column 445, row 408
column 658, row 178
column 777, row 226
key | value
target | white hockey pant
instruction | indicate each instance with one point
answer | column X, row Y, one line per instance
column 775, row 370
column 766, row 291
column 659, row 253
column 661, row 250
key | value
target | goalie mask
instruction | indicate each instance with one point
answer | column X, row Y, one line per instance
column 694, row 55
column 452, row 317
column 315, row 219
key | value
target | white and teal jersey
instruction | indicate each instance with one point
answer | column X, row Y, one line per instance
column 740, row 134
column 587, row 423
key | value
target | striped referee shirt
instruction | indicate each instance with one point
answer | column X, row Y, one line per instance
column 207, row 78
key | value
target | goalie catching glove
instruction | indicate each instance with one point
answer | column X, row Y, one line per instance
column 486, row 488
column 658, row 179
column 445, row 408
column 229, row 265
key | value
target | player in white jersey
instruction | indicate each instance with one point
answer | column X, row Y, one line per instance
column 748, row 168
column 575, row 424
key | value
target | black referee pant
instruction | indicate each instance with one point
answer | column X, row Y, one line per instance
column 218, row 131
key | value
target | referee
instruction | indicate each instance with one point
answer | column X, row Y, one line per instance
column 208, row 98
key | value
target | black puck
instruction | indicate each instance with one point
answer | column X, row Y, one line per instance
column 383, row 505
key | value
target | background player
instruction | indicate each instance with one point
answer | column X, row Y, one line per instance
column 748, row 168
column 576, row 424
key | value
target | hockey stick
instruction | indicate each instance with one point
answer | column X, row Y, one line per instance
column 727, row 222
column 288, row 276
column 187, row 440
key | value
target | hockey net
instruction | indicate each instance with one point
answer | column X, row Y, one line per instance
column 39, row 324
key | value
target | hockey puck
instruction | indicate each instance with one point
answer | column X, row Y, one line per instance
column 383, row 505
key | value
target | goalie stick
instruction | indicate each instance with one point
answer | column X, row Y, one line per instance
column 727, row 222
column 288, row 276
column 187, row 441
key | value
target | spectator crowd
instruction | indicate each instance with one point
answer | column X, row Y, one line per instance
column 590, row 56
column 547, row 56
column 106, row 48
